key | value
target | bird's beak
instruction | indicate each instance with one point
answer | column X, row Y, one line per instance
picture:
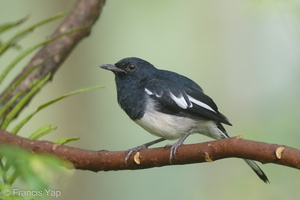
column 111, row 67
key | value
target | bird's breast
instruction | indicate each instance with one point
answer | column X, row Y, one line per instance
column 164, row 125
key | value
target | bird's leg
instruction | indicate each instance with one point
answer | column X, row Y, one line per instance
column 177, row 144
column 143, row 146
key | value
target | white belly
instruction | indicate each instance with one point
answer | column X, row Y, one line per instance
column 174, row 127
column 166, row 126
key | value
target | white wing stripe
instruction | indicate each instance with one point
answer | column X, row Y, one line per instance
column 199, row 103
column 151, row 93
column 180, row 101
column 148, row 91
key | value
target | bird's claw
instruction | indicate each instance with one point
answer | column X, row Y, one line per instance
column 136, row 149
column 173, row 150
column 144, row 146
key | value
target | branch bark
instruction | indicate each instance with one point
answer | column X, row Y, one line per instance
column 104, row 160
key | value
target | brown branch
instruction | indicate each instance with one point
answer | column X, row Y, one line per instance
column 103, row 160
column 52, row 55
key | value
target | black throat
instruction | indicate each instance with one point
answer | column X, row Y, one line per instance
column 131, row 97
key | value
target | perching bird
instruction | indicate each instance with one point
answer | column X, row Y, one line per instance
column 168, row 105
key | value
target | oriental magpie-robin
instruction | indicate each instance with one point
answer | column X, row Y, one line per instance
column 168, row 105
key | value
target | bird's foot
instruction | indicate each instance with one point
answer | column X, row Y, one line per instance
column 175, row 146
column 144, row 146
column 136, row 149
column 173, row 150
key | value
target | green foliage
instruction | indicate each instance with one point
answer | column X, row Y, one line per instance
column 33, row 170
column 40, row 132
column 10, row 25
column 36, row 171
column 15, row 38
column 16, row 109
column 65, row 140
column 26, row 119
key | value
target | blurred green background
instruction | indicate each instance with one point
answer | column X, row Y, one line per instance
column 245, row 54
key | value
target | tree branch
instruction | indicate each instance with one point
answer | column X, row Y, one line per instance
column 103, row 160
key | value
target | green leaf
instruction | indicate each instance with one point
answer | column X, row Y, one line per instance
column 44, row 130
column 67, row 95
column 13, row 113
column 12, row 65
column 7, row 189
column 8, row 26
column 22, row 33
column 3, row 172
column 18, row 159
column 25, row 120
column 16, row 83
column 8, row 104
column 66, row 140
column 35, row 170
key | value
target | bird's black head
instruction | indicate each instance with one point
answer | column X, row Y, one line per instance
column 131, row 75
column 131, row 68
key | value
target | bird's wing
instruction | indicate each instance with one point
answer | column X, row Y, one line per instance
column 183, row 98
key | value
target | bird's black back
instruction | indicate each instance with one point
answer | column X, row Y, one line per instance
column 167, row 82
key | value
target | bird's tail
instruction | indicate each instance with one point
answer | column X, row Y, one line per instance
column 257, row 170
column 251, row 163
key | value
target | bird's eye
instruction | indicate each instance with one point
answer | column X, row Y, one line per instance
column 131, row 67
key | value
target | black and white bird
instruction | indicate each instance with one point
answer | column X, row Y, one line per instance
column 167, row 105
